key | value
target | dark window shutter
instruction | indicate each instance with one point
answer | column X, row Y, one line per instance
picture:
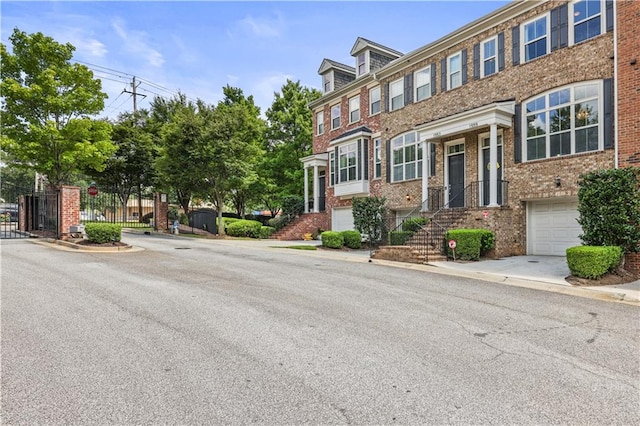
column 365, row 160
column 432, row 149
column 559, row 27
column 336, row 167
column 515, row 45
column 500, row 51
column 608, row 11
column 408, row 89
column 608, row 113
column 386, row 97
column 564, row 25
column 476, row 61
column 443, row 75
column 433, row 79
column 463, row 60
column 387, row 154
column 555, row 28
column 359, row 161
column 517, row 133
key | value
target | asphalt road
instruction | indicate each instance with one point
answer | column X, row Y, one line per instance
column 207, row 332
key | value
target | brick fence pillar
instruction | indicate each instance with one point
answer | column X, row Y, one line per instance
column 68, row 209
column 161, row 212
column 632, row 263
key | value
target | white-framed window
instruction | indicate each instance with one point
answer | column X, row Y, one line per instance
column 335, row 116
column 564, row 121
column 354, row 109
column 587, row 20
column 374, row 100
column 361, row 64
column 332, row 168
column 535, row 38
column 320, row 123
column 396, row 94
column 406, row 157
column 348, row 162
column 489, row 55
column 454, row 71
column 422, row 84
column 327, row 82
column 377, row 158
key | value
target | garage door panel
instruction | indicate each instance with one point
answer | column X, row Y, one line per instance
column 342, row 219
column 553, row 227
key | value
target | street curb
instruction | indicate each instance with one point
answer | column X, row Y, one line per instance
column 85, row 249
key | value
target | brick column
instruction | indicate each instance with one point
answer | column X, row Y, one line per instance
column 68, row 209
column 160, row 212
column 632, row 263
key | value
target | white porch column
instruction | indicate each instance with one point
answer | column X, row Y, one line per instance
column 493, row 165
column 316, row 189
column 426, row 162
column 306, row 189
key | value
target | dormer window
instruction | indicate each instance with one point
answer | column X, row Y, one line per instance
column 327, row 82
column 361, row 64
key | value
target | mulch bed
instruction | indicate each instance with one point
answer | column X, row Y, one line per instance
column 617, row 277
column 92, row 244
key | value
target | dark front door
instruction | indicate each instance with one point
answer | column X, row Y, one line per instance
column 486, row 172
column 456, row 180
column 321, row 191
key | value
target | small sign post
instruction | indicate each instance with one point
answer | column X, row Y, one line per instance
column 452, row 246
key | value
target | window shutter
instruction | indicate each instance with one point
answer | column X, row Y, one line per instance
column 387, row 153
column 365, row 159
column 432, row 149
column 608, row 10
column 476, row 61
column 359, row 160
column 564, row 25
column 443, row 75
column 463, row 59
column 517, row 133
column 386, row 97
column 559, row 27
column 433, row 79
column 408, row 89
column 336, row 167
column 515, row 45
column 608, row 113
column 501, row 51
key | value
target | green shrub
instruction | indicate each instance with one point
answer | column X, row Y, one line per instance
column 183, row 220
column 332, row 239
column 243, row 228
column 278, row 222
column 593, row 262
column 470, row 243
column 266, row 231
column 398, row 238
column 368, row 217
column 103, row 232
column 352, row 239
column 413, row 224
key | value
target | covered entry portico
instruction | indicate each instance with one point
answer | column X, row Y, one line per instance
column 491, row 116
column 318, row 163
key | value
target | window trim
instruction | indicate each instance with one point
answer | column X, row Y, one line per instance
column 572, row 102
column 320, row 123
column 426, row 69
column 351, row 111
column 523, row 33
column 417, row 162
column 572, row 25
column 494, row 39
column 450, row 73
column 330, row 80
column 349, row 148
column 366, row 64
column 379, row 101
column 399, row 82
column 377, row 157
column 339, row 117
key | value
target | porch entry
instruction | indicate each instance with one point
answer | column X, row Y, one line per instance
column 484, row 170
column 455, row 175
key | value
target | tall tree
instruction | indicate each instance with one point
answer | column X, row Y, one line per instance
column 46, row 104
column 289, row 137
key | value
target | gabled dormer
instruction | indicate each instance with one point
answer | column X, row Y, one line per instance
column 371, row 56
column 335, row 75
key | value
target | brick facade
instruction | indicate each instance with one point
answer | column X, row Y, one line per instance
column 69, row 209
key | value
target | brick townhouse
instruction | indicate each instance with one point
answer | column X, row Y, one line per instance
column 489, row 126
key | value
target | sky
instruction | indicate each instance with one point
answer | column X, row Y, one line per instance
column 199, row 47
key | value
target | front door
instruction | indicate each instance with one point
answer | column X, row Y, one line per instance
column 485, row 188
column 321, row 191
column 455, row 175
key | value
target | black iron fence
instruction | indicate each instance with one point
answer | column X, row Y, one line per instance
column 25, row 212
column 134, row 211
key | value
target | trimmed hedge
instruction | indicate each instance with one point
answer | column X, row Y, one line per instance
column 593, row 262
column 244, row 228
column 398, row 238
column 352, row 239
column 101, row 233
column 413, row 224
column 266, row 231
column 470, row 243
column 332, row 239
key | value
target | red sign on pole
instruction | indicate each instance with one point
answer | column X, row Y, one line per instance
column 92, row 190
column 452, row 244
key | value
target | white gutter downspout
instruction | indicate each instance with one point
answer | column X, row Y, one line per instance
column 615, row 84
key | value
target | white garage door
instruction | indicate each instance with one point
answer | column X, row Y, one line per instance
column 342, row 219
column 553, row 227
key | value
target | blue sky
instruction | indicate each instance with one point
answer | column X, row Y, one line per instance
column 199, row 47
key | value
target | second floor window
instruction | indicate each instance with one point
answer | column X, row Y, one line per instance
column 454, row 71
column 377, row 158
column 587, row 19
column 488, row 66
column 535, row 39
column 335, row 117
column 406, row 157
column 374, row 100
column 347, row 162
column 423, row 83
column 396, row 94
column 354, row 109
column 320, row 122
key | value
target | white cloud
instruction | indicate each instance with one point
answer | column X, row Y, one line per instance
column 263, row 27
column 135, row 42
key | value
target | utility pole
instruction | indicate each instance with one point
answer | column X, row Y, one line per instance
column 134, row 94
